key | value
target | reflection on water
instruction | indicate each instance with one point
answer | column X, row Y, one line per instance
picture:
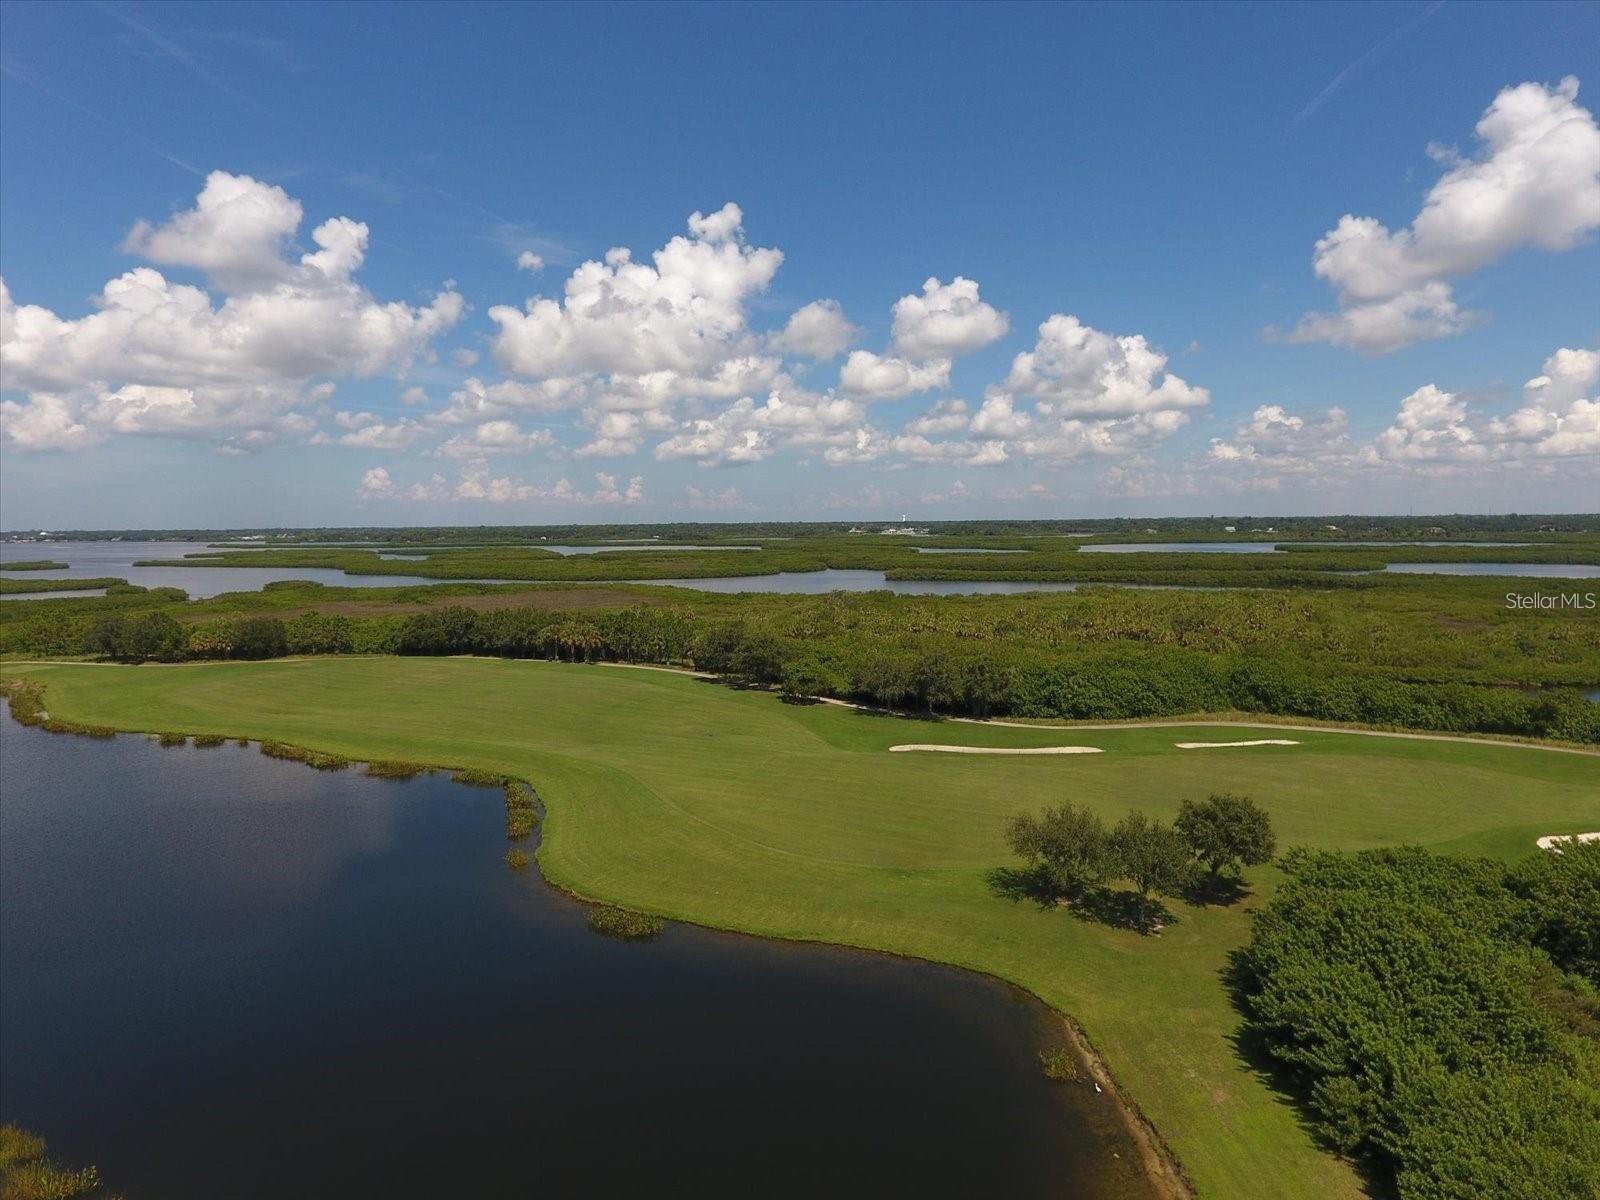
column 228, row 975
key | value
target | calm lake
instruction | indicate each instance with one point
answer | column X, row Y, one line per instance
column 223, row 975
column 115, row 560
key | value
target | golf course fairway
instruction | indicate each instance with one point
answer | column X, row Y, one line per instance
column 679, row 796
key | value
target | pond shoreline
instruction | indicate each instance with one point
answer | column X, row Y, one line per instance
column 1159, row 1164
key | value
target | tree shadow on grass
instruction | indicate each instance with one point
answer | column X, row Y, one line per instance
column 1216, row 890
column 895, row 714
column 1023, row 883
column 1124, row 910
column 1118, row 908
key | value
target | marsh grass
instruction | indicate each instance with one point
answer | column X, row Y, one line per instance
column 312, row 758
column 624, row 923
column 27, row 701
column 522, row 810
column 516, row 859
column 473, row 777
column 1059, row 1065
column 397, row 770
column 26, row 1174
column 27, row 707
column 206, row 740
column 172, row 739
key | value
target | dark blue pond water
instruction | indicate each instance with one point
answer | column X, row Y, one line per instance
column 223, row 975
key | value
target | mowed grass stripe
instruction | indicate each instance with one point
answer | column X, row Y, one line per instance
column 680, row 797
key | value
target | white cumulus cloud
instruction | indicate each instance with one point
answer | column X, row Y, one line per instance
column 820, row 331
column 1535, row 182
column 160, row 357
column 945, row 321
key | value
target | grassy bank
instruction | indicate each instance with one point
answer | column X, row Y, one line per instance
column 675, row 796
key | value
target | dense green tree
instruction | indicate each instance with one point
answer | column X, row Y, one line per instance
column 259, row 637
column 1069, row 846
column 716, row 646
column 318, row 633
column 449, row 630
column 1400, row 994
column 886, row 680
column 1562, row 887
column 760, row 656
column 154, row 636
column 936, row 682
column 1225, row 830
column 576, row 640
column 804, row 677
column 986, row 686
column 1151, row 854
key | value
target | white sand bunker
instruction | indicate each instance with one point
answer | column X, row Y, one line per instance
column 1552, row 841
column 997, row 749
column 1257, row 742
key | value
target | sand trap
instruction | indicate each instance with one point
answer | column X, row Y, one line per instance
column 1257, row 742
column 998, row 750
column 1552, row 841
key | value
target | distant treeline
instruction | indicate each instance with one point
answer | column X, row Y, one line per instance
column 1330, row 526
column 1438, row 1017
column 936, row 672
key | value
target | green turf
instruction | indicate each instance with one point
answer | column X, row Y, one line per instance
column 679, row 796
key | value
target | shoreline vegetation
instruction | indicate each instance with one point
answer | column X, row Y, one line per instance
column 93, row 687
column 21, row 587
column 27, row 1173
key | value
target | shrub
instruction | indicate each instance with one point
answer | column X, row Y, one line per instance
column 1069, row 846
column 1400, row 995
column 624, row 923
column 318, row 633
column 153, row 636
column 397, row 770
column 26, row 1174
column 1059, row 1065
column 522, row 813
column 259, row 638
column 1225, row 830
column 473, row 777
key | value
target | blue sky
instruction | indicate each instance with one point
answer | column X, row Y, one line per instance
column 1149, row 184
